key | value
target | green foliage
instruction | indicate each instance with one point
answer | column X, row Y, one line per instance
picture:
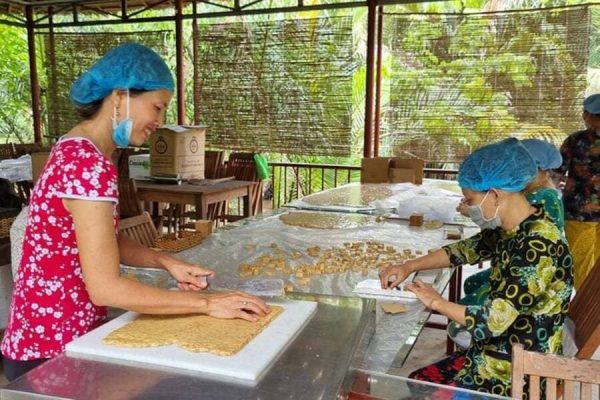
column 15, row 96
column 459, row 82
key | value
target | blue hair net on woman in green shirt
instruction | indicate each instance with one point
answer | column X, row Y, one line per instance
column 505, row 165
column 128, row 66
column 545, row 154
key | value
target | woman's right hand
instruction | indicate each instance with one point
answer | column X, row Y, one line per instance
column 241, row 305
column 394, row 275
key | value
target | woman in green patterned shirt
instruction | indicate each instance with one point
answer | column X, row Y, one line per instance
column 540, row 191
column 530, row 280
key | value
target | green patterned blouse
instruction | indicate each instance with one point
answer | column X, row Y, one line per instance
column 531, row 283
column 550, row 202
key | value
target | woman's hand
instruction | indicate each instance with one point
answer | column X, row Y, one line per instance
column 425, row 293
column 188, row 276
column 394, row 275
column 463, row 208
column 236, row 305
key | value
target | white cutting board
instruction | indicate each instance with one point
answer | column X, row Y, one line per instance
column 249, row 364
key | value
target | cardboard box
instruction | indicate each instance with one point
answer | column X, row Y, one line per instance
column 374, row 170
column 178, row 151
column 38, row 162
column 204, row 227
column 399, row 175
column 415, row 164
column 139, row 166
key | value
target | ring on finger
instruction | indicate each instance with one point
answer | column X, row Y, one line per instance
column 244, row 303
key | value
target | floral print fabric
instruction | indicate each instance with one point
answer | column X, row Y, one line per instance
column 548, row 199
column 50, row 305
column 531, row 281
column 581, row 159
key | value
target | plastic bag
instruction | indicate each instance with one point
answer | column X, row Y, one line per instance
column 432, row 207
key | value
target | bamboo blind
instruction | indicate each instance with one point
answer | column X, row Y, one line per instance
column 277, row 86
column 461, row 81
column 68, row 55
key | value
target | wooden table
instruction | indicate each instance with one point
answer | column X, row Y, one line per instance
column 198, row 195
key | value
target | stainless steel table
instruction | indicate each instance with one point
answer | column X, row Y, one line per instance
column 312, row 367
column 363, row 385
column 246, row 240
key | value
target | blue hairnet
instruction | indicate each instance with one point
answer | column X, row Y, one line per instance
column 505, row 165
column 545, row 154
column 591, row 104
column 128, row 66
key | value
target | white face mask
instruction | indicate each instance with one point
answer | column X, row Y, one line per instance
column 476, row 214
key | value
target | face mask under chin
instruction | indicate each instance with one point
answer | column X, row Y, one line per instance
column 476, row 214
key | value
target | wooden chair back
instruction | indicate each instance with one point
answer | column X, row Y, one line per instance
column 140, row 228
column 7, row 151
column 120, row 158
column 243, row 167
column 584, row 311
column 28, row 148
column 213, row 164
column 574, row 372
column 129, row 204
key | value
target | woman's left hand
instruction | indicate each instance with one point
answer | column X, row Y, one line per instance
column 188, row 276
column 424, row 292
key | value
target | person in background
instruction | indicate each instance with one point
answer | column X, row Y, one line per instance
column 530, row 279
column 69, row 271
column 540, row 191
column 581, row 193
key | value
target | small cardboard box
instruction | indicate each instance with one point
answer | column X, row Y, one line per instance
column 415, row 164
column 399, row 175
column 178, row 151
column 204, row 227
column 374, row 170
column 38, row 162
column 139, row 166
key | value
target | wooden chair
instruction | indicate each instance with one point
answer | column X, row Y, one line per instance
column 7, row 151
column 213, row 164
column 129, row 204
column 140, row 228
column 243, row 167
column 28, row 148
column 584, row 311
column 583, row 373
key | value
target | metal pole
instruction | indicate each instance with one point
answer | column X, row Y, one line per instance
column 197, row 96
column 180, row 62
column 33, row 77
column 368, row 135
column 378, row 81
column 52, row 114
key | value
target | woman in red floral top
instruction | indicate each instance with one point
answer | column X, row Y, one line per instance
column 69, row 271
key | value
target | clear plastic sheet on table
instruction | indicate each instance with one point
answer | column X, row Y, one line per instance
column 431, row 207
column 16, row 170
column 382, row 198
column 225, row 251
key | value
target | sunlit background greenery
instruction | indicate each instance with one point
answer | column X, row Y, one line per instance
column 15, row 111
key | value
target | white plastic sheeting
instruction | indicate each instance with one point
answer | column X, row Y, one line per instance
column 16, row 170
